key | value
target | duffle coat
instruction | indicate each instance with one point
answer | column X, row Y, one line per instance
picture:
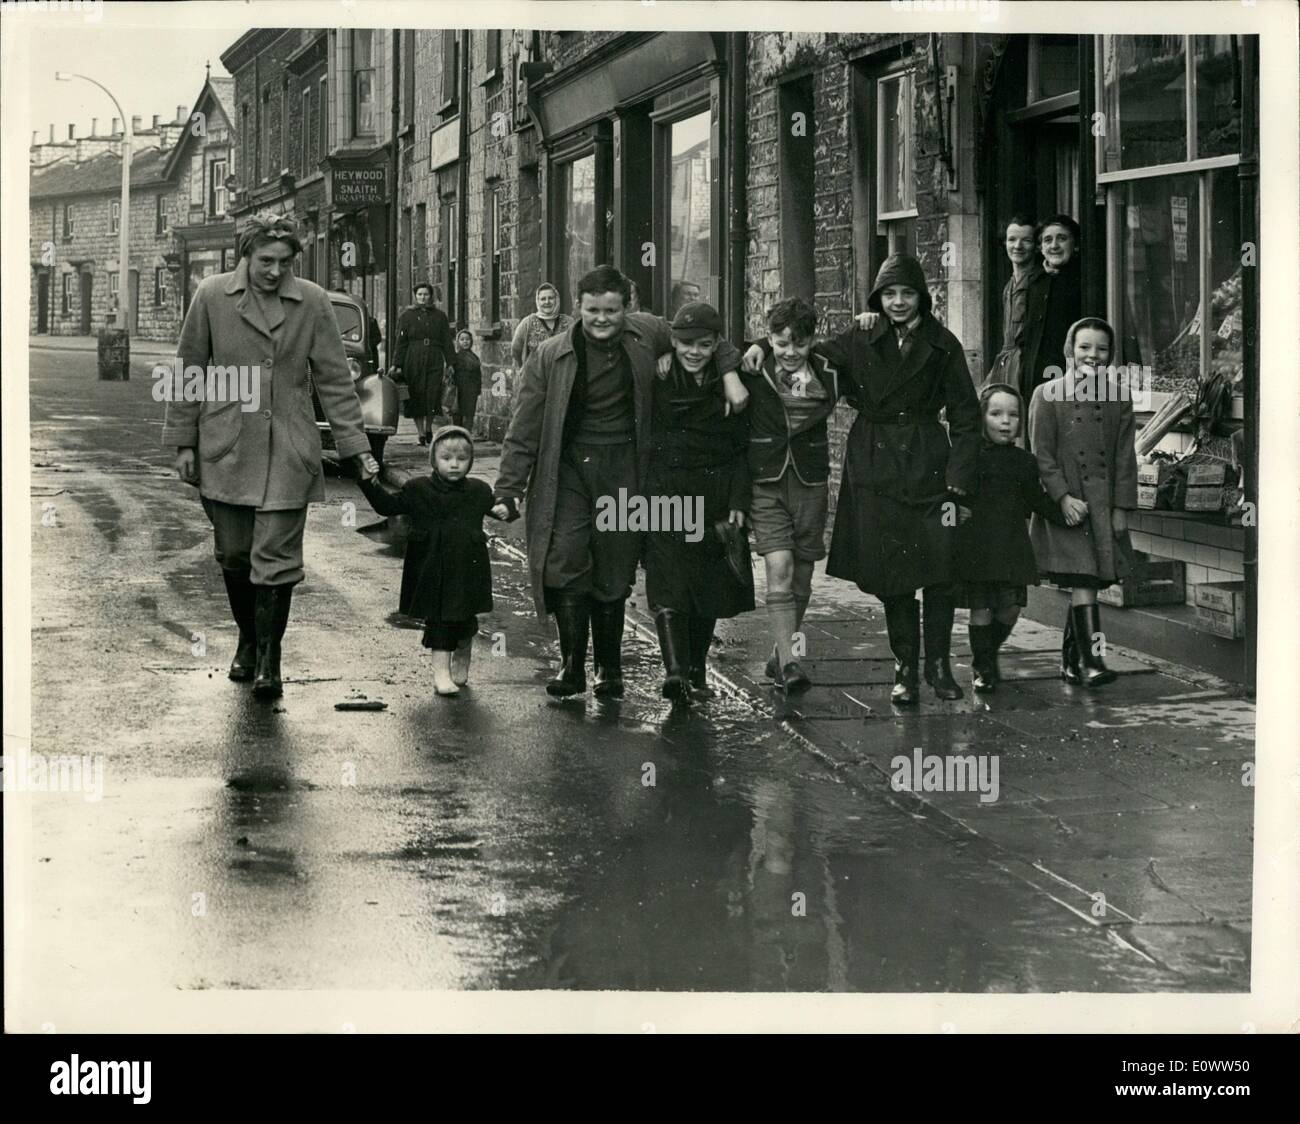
column 1084, row 448
column 268, row 458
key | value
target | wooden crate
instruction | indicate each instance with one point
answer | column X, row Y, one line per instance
column 1223, row 597
column 1148, row 496
column 1230, row 625
column 1155, row 581
column 1208, row 472
column 1204, row 498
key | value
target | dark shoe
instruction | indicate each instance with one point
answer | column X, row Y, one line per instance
column 1070, row 671
column 607, row 647
column 903, row 620
column 938, row 673
column 674, row 644
column 700, row 640
column 271, row 617
column 794, row 679
column 572, row 621
column 984, row 657
column 239, row 590
column 1087, row 625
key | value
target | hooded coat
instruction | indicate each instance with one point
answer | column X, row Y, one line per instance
column 268, row 458
column 893, row 532
column 1083, row 441
column 447, row 567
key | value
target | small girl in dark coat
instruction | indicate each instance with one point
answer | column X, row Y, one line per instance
column 467, row 377
column 454, row 583
column 993, row 547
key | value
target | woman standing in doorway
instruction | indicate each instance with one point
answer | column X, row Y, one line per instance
column 1026, row 269
column 538, row 327
column 425, row 348
column 1054, row 302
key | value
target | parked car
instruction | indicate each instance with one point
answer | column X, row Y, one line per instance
column 377, row 392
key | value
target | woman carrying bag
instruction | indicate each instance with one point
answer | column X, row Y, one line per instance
column 424, row 349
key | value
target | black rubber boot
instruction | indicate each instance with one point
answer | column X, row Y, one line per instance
column 271, row 617
column 240, row 592
column 701, row 639
column 572, row 621
column 1069, row 652
column 1087, row 625
column 983, row 657
column 903, row 620
column 674, row 644
column 938, row 640
column 607, row 647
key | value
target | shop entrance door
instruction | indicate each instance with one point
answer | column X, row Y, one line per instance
column 87, row 289
column 42, row 303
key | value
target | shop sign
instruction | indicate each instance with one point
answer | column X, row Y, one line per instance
column 444, row 145
column 358, row 187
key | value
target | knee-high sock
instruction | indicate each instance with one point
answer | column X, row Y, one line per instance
column 782, row 619
column 802, row 593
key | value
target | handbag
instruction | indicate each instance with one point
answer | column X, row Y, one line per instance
column 735, row 549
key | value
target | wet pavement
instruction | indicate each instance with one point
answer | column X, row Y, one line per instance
column 506, row 840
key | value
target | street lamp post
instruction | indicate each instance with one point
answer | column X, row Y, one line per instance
column 123, row 226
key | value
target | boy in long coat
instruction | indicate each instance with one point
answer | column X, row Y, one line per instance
column 258, row 469
column 581, row 431
column 904, row 474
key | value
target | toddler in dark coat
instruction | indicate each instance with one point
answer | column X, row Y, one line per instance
column 993, row 547
column 454, row 582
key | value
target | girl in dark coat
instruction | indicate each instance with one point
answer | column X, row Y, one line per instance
column 698, row 452
column 454, row 581
column 1081, row 428
column 1055, row 301
column 424, row 347
column 904, row 474
column 997, row 560
column 467, row 373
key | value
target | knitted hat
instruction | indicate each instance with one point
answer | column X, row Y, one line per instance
column 445, row 431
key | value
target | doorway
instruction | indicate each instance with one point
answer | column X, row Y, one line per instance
column 133, row 308
column 42, row 303
column 87, row 291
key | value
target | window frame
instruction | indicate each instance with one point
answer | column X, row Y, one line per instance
column 69, row 221
column 1112, row 184
column 66, row 304
column 357, row 72
column 159, row 286
column 160, row 215
column 451, row 48
column 451, row 259
column 115, row 216
column 218, row 201
column 662, row 120
column 492, row 248
column 306, row 130
column 884, row 217
column 492, row 68
column 323, row 117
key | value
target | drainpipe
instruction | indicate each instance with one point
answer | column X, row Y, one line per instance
column 394, row 173
column 462, row 189
column 738, row 204
column 1248, row 186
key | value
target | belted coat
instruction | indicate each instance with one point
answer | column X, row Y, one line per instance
column 268, row 458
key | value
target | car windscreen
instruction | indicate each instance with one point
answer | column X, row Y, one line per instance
column 349, row 321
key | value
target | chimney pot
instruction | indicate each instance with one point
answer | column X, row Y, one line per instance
column 94, row 126
column 135, row 123
column 35, row 134
column 116, row 128
column 71, row 131
column 182, row 114
column 155, row 120
column 51, row 134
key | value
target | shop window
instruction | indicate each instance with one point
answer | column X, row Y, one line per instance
column 363, row 82
column 798, row 221
column 1053, row 67
column 690, row 212
column 1217, row 63
column 1143, row 97
column 576, row 192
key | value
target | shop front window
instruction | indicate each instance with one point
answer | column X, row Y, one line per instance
column 1224, row 351
column 577, row 188
column 1144, row 99
column 690, row 209
column 1218, row 112
column 1160, row 274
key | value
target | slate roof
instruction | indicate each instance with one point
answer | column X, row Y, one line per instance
column 102, row 173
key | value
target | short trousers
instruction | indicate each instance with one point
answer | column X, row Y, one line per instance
column 266, row 543
column 447, row 636
column 992, row 595
column 787, row 514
